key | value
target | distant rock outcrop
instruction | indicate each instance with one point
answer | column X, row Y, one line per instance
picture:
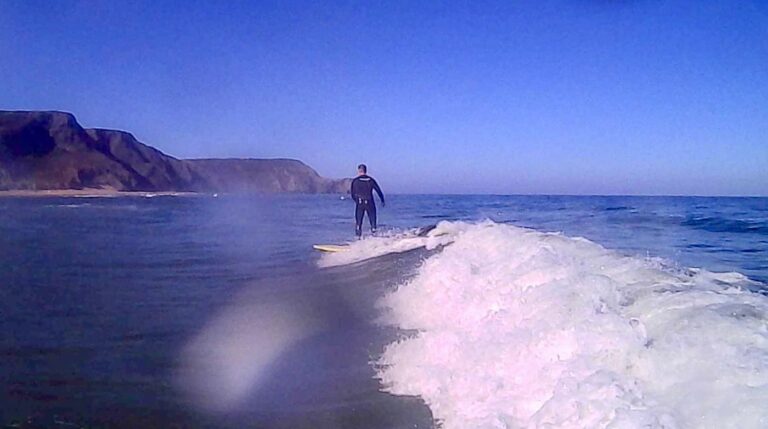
column 50, row 150
column 265, row 175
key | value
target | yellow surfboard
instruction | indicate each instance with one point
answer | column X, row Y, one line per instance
column 330, row 247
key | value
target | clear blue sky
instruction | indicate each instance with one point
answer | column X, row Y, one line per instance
column 574, row 97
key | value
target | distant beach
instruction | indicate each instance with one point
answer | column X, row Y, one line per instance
column 86, row 193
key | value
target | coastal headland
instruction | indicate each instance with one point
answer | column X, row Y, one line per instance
column 48, row 153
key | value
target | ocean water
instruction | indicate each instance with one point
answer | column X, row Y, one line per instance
column 513, row 311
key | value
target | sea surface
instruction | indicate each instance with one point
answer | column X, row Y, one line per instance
column 216, row 312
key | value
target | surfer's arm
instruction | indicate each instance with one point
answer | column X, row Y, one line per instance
column 378, row 191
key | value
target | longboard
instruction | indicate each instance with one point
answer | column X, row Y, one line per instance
column 330, row 247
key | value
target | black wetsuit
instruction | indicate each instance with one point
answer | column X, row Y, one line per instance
column 362, row 192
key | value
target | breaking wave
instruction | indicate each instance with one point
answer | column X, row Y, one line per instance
column 516, row 328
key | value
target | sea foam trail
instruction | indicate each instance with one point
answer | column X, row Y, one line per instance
column 522, row 329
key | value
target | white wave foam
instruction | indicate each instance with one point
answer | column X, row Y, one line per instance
column 373, row 247
column 522, row 329
column 69, row 206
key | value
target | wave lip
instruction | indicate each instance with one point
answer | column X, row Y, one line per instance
column 522, row 329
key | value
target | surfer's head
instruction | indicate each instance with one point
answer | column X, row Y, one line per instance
column 362, row 169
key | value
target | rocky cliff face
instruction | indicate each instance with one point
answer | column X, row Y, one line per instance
column 265, row 175
column 50, row 150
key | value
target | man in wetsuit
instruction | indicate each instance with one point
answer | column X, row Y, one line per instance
column 362, row 193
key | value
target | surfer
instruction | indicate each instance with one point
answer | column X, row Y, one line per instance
column 362, row 193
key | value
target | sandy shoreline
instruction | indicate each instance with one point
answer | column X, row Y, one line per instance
column 85, row 193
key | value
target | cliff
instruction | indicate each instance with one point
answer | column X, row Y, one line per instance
column 51, row 151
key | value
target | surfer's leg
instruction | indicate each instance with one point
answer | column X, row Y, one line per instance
column 359, row 212
column 372, row 216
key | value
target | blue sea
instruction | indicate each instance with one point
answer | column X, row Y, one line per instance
column 210, row 312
